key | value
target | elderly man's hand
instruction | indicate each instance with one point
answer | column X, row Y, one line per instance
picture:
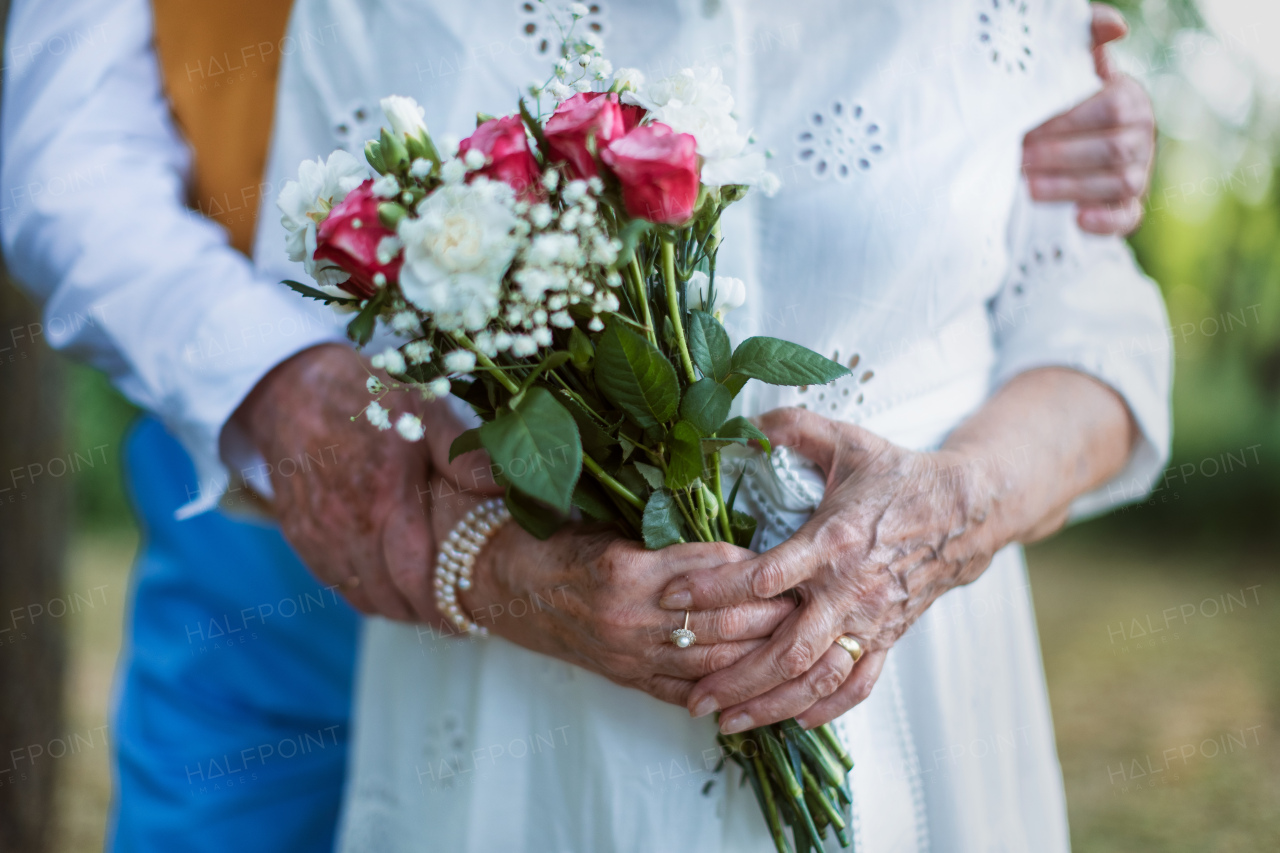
column 1098, row 154
column 353, row 506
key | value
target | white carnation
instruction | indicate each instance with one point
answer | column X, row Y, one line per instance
column 456, row 251
column 404, row 115
column 305, row 203
column 695, row 101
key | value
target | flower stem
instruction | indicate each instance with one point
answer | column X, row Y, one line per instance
column 608, row 482
column 642, row 296
column 485, row 362
column 673, row 307
column 722, row 510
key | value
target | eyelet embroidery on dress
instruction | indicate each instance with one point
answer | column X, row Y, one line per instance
column 350, row 128
column 1003, row 32
column 443, row 746
column 839, row 394
column 543, row 37
column 839, row 142
column 1041, row 263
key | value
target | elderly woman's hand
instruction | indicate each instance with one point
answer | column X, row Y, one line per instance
column 895, row 530
column 1099, row 153
column 589, row 597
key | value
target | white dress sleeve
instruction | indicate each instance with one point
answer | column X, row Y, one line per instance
column 97, row 229
column 1077, row 300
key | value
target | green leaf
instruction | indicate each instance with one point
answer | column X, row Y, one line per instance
column 734, row 383
column 536, row 447
column 780, row 362
column 651, row 474
column 661, row 522
column 630, row 235
column 590, row 497
column 312, row 293
column 634, row 376
column 706, row 404
column 361, row 328
column 581, row 349
column 743, row 527
column 740, row 427
column 551, row 362
column 595, row 440
column 709, row 345
column 539, row 519
column 465, row 443
column 685, row 449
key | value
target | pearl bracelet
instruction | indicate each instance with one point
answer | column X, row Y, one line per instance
column 457, row 557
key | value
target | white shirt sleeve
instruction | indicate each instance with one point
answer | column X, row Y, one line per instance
column 1077, row 300
column 95, row 225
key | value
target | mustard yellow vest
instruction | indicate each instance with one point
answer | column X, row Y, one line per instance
column 219, row 61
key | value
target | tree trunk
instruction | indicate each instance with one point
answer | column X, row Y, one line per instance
column 33, row 532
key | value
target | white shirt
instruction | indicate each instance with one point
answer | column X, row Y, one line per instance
column 95, row 224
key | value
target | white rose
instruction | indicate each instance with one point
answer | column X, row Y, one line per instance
column 456, row 251
column 305, row 203
column 730, row 293
column 404, row 115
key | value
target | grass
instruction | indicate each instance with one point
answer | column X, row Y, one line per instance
column 1206, row 687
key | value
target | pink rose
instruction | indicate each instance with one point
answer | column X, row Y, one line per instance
column 349, row 237
column 658, row 171
column 506, row 152
column 585, row 115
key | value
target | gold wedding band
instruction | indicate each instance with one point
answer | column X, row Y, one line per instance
column 850, row 645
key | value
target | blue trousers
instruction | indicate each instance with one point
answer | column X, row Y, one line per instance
column 234, row 688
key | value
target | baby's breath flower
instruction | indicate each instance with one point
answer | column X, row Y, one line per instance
column 541, row 214
column 389, row 360
column 374, row 385
column 550, row 179
column 418, row 352
column 420, row 168
column 404, row 321
column 523, row 345
column 409, row 427
column 575, row 190
column 377, row 416
column 438, row 387
column 388, row 247
column 578, row 10
column 542, row 336
column 386, row 187
column 453, row 171
column 460, row 361
column 473, row 159
column 562, row 320
column 595, row 325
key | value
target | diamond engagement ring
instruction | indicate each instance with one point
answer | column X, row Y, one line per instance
column 683, row 637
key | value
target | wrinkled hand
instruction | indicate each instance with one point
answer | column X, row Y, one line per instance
column 1099, row 153
column 896, row 529
column 352, row 505
column 590, row 598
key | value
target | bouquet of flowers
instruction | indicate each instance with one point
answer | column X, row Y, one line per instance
column 558, row 273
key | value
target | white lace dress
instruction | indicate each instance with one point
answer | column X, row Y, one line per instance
column 902, row 245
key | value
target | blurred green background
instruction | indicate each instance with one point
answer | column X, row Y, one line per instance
column 1211, row 238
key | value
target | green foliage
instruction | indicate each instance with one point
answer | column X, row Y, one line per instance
column 705, row 405
column 535, row 446
column 635, row 376
column 661, row 524
column 780, row 362
column 709, row 346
